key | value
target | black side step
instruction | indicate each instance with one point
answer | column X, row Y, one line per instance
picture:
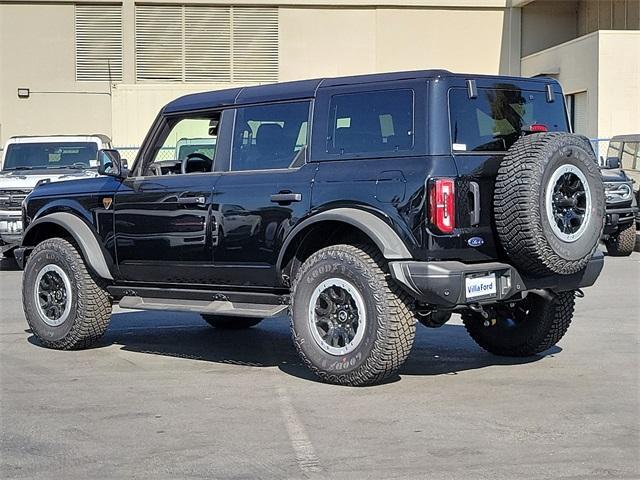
column 213, row 307
column 234, row 296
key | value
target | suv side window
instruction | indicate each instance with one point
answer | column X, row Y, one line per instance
column 186, row 145
column 269, row 137
column 371, row 122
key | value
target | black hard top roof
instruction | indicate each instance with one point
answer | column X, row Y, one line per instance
column 308, row 88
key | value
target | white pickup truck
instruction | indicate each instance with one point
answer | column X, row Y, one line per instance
column 28, row 161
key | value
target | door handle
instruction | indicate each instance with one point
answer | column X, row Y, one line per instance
column 474, row 189
column 191, row 200
column 283, row 197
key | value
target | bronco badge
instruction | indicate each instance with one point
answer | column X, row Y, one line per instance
column 107, row 201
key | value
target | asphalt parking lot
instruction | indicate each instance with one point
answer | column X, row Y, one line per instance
column 166, row 396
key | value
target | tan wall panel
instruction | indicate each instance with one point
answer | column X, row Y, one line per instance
column 430, row 38
column 318, row 42
column 576, row 65
column 619, row 82
column 37, row 51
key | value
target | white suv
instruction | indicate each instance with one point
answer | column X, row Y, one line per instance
column 28, row 161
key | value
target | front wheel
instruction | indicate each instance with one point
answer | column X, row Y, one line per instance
column 66, row 305
column 531, row 326
column 622, row 243
column 350, row 323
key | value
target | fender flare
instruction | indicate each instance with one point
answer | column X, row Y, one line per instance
column 82, row 234
column 385, row 238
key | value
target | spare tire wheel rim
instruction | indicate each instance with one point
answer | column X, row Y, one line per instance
column 337, row 316
column 53, row 295
column 568, row 203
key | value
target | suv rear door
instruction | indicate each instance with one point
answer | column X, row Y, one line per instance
column 263, row 191
column 484, row 123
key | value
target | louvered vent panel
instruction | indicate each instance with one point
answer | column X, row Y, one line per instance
column 207, row 44
column 98, row 42
column 255, row 44
column 159, row 43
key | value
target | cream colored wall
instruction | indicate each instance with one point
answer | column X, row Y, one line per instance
column 606, row 64
column 37, row 52
column 575, row 65
column 328, row 42
column 619, row 83
column 325, row 40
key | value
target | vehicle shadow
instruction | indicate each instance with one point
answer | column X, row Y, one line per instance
column 445, row 351
column 8, row 264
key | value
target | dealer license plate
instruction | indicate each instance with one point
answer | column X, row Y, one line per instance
column 477, row 288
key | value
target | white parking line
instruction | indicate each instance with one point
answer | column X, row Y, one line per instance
column 302, row 447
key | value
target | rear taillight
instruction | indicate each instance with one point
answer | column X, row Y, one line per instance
column 442, row 204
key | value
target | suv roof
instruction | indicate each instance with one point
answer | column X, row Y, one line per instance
column 307, row 88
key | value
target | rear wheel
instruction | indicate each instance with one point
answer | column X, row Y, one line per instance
column 531, row 326
column 622, row 243
column 351, row 324
column 230, row 323
column 65, row 304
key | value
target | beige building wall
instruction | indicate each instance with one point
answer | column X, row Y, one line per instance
column 605, row 64
column 575, row 65
column 322, row 39
column 37, row 52
column 619, row 82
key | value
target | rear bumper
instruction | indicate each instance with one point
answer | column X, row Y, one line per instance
column 442, row 283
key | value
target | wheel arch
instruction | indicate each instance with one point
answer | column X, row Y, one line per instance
column 342, row 222
column 58, row 223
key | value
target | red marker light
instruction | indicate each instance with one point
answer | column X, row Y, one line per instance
column 538, row 128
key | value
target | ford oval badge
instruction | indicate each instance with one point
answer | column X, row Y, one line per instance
column 475, row 241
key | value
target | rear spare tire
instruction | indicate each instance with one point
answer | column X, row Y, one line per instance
column 549, row 203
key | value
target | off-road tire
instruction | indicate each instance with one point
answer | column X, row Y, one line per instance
column 545, row 324
column 390, row 321
column 622, row 243
column 230, row 323
column 90, row 302
column 522, row 223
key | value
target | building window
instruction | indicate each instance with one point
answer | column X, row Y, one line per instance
column 206, row 44
column 577, row 109
column 98, row 31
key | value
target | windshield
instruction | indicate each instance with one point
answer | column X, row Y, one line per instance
column 50, row 155
column 498, row 117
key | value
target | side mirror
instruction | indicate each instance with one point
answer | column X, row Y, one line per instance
column 110, row 163
column 612, row 162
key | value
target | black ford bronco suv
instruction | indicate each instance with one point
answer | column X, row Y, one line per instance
column 358, row 205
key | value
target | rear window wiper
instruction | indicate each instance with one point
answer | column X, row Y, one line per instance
column 24, row 167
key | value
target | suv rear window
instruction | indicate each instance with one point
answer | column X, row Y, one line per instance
column 497, row 117
column 371, row 122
